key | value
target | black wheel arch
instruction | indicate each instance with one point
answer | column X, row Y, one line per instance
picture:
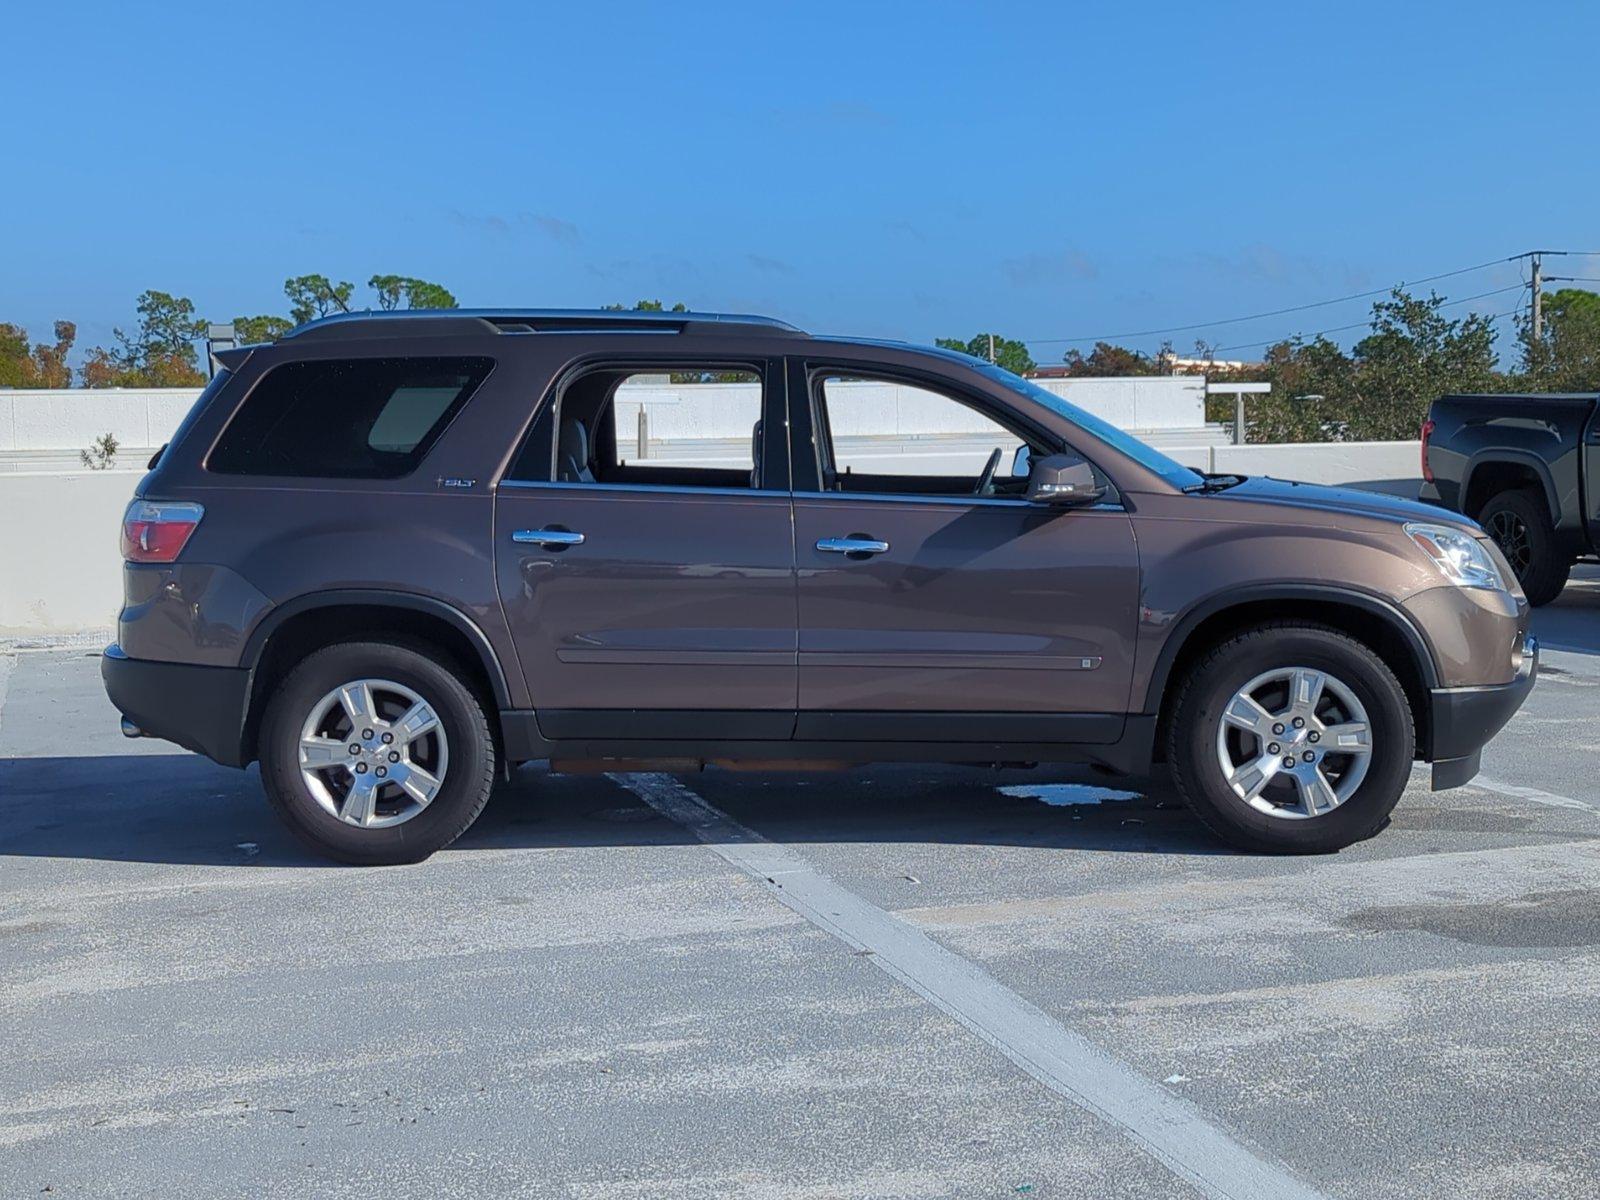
column 1492, row 471
column 321, row 618
column 1374, row 620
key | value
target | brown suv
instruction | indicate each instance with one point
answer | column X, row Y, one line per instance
column 392, row 555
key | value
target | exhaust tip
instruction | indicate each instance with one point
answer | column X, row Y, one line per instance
column 130, row 730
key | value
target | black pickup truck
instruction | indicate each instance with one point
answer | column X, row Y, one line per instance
column 1527, row 468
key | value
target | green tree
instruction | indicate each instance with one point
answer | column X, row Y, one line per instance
column 251, row 331
column 1381, row 389
column 1008, row 353
column 1413, row 356
column 397, row 291
column 40, row 365
column 1107, row 359
column 313, row 296
column 159, row 353
column 645, row 306
column 1567, row 356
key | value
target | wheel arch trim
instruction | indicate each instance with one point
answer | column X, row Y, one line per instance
column 1501, row 457
column 276, row 617
column 1384, row 609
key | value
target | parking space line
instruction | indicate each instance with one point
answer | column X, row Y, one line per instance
column 1171, row 1129
column 1536, row 795
column 8, row 663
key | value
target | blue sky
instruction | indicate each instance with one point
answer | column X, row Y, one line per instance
column 914, row 171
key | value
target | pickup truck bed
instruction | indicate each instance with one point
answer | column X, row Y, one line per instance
column 1527, row 467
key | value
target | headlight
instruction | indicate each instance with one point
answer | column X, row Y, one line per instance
column 1459, row 556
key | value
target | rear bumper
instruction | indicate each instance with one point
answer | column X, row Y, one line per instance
column 200, row 708
column 1466, row 718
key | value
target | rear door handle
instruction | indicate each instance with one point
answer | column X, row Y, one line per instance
column 550, row 539
column 852, row 545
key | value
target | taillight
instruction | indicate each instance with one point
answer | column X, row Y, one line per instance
column 1427, row 432
column 155, row 531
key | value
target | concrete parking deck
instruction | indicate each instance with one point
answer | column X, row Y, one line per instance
column 895, row 982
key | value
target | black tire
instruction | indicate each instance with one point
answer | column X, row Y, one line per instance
column 1210, row 684
column 1519, row 522
column 466, row 784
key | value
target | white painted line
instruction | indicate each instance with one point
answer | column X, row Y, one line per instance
column 1168, row 1127
column 8, row 664
column 1538, row 796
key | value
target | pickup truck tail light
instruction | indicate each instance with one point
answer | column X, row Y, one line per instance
column 1427, row 432
column 156, row 531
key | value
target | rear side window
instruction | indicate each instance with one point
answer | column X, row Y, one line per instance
column 355, row 418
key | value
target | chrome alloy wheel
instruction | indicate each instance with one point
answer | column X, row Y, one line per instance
column 1294, row 743
column 373, row 753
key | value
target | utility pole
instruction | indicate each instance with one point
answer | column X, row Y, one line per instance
column 1538, row 307
column 1535, row 275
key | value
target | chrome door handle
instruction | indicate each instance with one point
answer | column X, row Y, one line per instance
column 852, row 545
column 548, row 538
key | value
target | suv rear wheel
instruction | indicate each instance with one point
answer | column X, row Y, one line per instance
column 1519, row 523
column 1291, row 738
column 375, row 752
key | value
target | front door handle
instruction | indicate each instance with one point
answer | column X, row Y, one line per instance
column 852, row 545
column 550, row 539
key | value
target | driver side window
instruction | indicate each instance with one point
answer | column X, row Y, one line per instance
column 882, row 435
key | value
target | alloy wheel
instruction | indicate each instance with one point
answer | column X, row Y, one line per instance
column 1294, row 743
column 373, row 753
column 1510, row 533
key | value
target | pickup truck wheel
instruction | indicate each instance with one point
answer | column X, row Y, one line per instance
column 1520, row 525
column 376, row 753
column 1291, row 738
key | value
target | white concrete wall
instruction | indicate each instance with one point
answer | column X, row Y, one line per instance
column 60, row 558
column 1396, row 466
column 1147, row 402
column 69, row 419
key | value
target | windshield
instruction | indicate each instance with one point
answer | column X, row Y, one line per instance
column 1157, row 463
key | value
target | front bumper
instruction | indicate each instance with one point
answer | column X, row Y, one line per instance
column 200, row 708
column 1464, row 719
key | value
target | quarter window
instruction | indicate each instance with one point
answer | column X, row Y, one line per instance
column 364, row 418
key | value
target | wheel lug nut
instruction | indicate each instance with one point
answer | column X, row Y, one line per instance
column 1299, row 723
column 1278, row 729
column 361, row 768
column 1309, row 756
column 381, row 772
column 1273, row 749
column 367, row 733
column 394, row 756
column 1288, row 760
column 1314, row 736
column 388, row 739
column 355, row 748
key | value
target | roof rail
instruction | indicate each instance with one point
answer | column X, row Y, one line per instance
column 444, row 322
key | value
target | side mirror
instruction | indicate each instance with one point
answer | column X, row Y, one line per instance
column 1065, row 480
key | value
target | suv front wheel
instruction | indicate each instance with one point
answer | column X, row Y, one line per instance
column 1291, row 738
column 376, row 753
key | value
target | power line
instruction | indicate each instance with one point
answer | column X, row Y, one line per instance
column 1279, row 312
column 1363, row 324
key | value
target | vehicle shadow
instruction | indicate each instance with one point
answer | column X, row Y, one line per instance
column 180, row 809
column 1571, row 621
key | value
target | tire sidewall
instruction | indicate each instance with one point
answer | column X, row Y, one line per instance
column 1547, row 570
column 460, row 715
column 1358, row 669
